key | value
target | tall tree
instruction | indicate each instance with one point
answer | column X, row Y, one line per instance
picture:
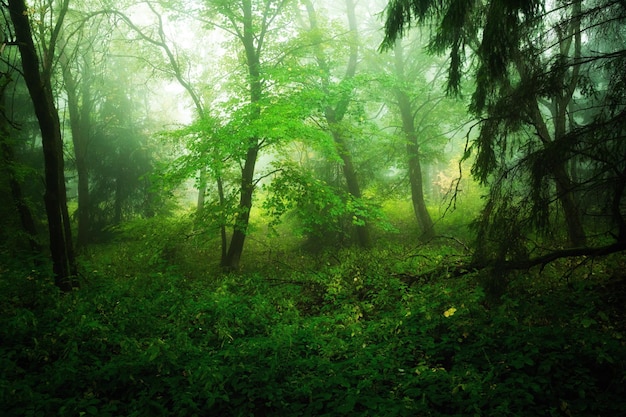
column 177, row 66
column 250, row 23
column 9, row 164
column 408, row 114
column 37, row 75
column 80, row 104
column 336, row 107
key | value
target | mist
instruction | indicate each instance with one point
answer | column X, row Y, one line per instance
column 312, row 207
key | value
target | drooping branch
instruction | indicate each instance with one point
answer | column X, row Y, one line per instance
column 461, row 269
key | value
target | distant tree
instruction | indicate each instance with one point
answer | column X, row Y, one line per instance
column 550, row 97
column 408, row 115
column 177, row 65
column 120, row 159
column 77, row 64
column 37, row 75
column 11, row 164
column 338, row 92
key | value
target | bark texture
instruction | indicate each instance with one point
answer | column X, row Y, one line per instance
column 40, row 90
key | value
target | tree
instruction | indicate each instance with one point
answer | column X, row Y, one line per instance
column 37, row 75
column 121, row 157
column 78, row 79
column 11, row 165
column 408, row 115
column 250, row 24
column 336, row 105
column 546, row 88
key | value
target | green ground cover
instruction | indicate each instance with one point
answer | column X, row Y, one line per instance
column 348, row 333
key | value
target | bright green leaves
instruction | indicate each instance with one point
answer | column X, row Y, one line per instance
column 321, row 209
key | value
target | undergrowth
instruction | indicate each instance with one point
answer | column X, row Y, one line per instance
column 344, row 334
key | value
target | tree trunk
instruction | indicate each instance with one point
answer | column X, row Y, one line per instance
column 8, row 161
column 202, row 187
column 79, row 125
column 573, row 219
column 417, row 194
column 237, row 241
column 40, row 90
column 25, row 215
column 575, row 230
column 412, row 147
column 564, row 183
column 224, row 239
column 335, row 114
column 119, row 198
column 242, row 219
column 349, row 173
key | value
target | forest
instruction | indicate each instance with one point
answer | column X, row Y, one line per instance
column 312, row 208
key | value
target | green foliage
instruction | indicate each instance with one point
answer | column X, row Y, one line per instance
column 355, row 336
column 321, row 210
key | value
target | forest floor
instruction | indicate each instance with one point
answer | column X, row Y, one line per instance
column 155, row 332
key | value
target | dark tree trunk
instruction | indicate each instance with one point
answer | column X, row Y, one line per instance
column 26, row 217
column 335, row 114
column 562, row 100
column 8, row 161
column 79, row 125
column 237, row 241
column 223, row 237
column 242, row 219
column 55, row 199
column 564, row 187
column 412, row 147
column 573, row 219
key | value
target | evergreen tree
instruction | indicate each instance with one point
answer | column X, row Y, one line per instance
column 548, row 94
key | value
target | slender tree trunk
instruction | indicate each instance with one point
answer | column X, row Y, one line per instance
column 334, row 114
column 79, row 125
column 119, row 198
column 564, row 183
column 25, row 215
column 242, row 219
column 417, row 194
column 412, row 147
column 237, row 241
column 8, row 161
column 202, row 187
column 616, row 206
column 352, row 183
column 84, row 217
column 39, row 87
column 572, row 217
column 573, row 220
